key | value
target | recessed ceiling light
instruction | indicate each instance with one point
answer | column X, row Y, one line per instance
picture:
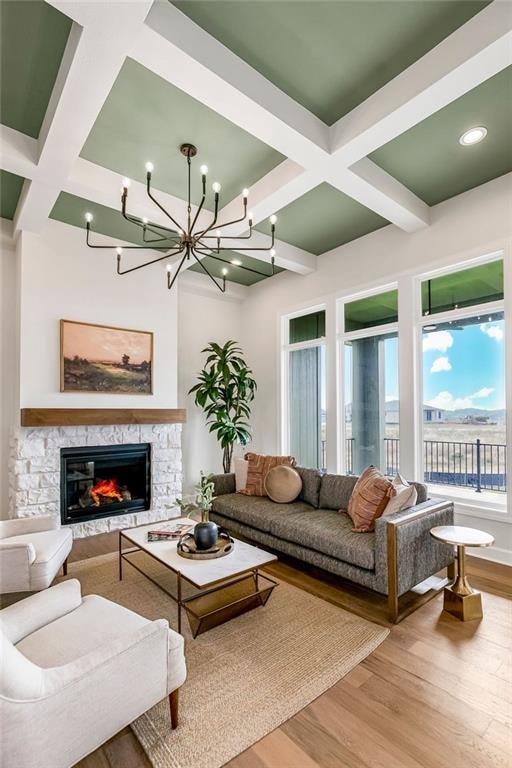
column 236, row 262
column 473, row 136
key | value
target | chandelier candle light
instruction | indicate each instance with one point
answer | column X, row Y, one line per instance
column 189, row 241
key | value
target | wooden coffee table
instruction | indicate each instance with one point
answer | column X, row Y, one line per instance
column 460, row 599
column 226, row 587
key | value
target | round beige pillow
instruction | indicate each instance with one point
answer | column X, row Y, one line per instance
column 283, row 484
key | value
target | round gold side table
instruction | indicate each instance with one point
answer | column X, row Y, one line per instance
column 459, row 598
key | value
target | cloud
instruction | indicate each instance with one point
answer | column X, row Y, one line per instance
column 493, row 331
column 440, row 341
column 447, row 402
column 484, row 392
column 441, row 364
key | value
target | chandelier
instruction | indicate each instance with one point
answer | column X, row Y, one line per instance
column 190, row 241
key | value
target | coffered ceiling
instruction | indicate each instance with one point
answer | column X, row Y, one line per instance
column 146, row 118
column 340, row 116
column 330, row 56
column 429, row 158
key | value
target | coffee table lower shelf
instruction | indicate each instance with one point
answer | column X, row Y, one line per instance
column 207, row 608
column 216, row 606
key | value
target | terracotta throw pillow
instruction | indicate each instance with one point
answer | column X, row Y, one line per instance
column 369, row 499
column 257, row 470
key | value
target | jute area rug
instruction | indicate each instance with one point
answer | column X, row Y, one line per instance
column 245, row 677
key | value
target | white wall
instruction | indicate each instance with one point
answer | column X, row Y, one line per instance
column 62, row 278
column 470, row 225
column 8, row 356
column 201, row 319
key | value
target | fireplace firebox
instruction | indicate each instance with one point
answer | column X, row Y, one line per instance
column 105, row 480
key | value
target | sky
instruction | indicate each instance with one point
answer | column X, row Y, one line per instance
column 461, row 368
column 465, row 368
column 96, row 342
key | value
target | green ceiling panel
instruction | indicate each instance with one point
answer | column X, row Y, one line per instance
column 323, row 219
column 10, row 191
column 33, row 36
column 330, row 56
column 235, row 274
column 432, row 163
column 146, row 118
column 107, row 221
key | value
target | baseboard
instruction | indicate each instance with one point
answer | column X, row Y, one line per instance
column 496, row 554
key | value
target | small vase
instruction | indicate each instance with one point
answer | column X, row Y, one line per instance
column 205, row 532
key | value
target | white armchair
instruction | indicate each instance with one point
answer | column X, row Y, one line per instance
column 75, row 671
column 32, row 549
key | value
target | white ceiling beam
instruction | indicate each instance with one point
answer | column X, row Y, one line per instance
column 180, row 51
column 92, row 59
column 473, row 53
column 371, row 186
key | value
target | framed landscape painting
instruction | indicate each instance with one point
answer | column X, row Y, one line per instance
column 98, row 358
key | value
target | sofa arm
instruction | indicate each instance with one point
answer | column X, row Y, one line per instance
column 15, row 561
column 22, row 525
column 405, row 552
column 34, row 612
column 224, row 484
column 149, row 643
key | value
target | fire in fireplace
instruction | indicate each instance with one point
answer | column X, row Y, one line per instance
column 105, row 480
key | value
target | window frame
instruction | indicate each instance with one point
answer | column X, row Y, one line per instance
column 287, row 348
column 342, row 337
column 494, row 508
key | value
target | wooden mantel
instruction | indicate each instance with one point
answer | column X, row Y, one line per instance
column 74, row 417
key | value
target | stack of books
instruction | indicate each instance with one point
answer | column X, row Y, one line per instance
column 171, row 532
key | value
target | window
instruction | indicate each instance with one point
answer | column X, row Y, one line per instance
column 305, row 359
column 370, row 364
column 463, row 349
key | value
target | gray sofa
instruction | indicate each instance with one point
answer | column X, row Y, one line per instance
column 396, row 557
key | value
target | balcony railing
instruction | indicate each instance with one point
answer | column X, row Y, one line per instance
column 477, row 465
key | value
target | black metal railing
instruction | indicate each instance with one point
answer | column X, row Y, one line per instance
column 478, row 465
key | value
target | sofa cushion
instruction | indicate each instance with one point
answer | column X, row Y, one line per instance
column 257, row 470
column 256, row 511
column 311, row 480
column 283, row 484
column 369, row 499
column 327, row 532
column 336, row 490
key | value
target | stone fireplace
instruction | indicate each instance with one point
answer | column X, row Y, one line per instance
column 39, row 455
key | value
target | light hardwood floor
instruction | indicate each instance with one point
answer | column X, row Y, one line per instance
column 436, row 694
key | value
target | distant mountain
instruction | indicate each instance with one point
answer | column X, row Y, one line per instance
column 393, row 406
column 497, row 415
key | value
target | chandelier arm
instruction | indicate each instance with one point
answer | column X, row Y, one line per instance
column 198, row 211
column 228, row 223
column 124, row 247
column 146, row 263
column 249, row 248
column 229, row 237
column 215, row 215
column 170, row 282
column 139, row 223
column 153, row 198
column 242, row 266
column 222, row 288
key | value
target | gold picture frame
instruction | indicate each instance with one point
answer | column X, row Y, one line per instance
column 105, row 359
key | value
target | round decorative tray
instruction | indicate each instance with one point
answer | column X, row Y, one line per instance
column 187, row 547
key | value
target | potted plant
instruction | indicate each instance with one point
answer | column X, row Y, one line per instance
column 224, row 391
column 206, row 531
